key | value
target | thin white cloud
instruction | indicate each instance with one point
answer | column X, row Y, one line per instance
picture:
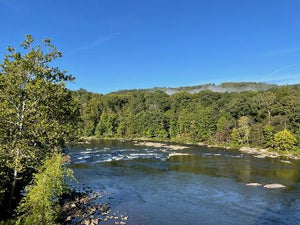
column 281, row 75
column 284, row 80
column 279, row 70
column 275, row 74
column 97, row 42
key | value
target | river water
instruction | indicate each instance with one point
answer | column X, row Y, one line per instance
column 201, row 186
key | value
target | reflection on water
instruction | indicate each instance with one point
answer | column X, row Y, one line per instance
column 199, row 186
column 246, row 169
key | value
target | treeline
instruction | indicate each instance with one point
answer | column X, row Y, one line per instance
column 269, row 119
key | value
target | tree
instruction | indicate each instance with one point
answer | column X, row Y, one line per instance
column 223, row 129
column 240, row 135
column 107, row 125
column 285, row 141
column 205, row 119
column 90, row 116
column 197, row 124
column 235, row 138
column 265, row 102
column 268, row 132
column 257, row 137
column 244, row 129
column 37, row 114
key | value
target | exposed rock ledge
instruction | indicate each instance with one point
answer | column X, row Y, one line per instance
column 263, row 153
column 161, row 145
column 254, row 184
column 178, row 154
column 269, row 186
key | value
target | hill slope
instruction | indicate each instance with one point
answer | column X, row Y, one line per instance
column 224, row 87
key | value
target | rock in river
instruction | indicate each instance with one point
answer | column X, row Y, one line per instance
column 254, row 184
column 271, row 186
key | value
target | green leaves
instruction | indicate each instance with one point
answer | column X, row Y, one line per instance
column 268, row 132
column 243, row 118
column 34, row 62
column 37, row 112
column 197, row 124
column 224, row 126
column 285, row 141
column 39, row 204
column 240, row 134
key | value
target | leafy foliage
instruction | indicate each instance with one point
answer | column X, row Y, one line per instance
column 232, row 118
column 224, row 126
column 285, row 141
column 268, row 132
column 37, row 115
column 39, row 206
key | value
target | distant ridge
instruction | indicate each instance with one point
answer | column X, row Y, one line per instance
column 224, row 87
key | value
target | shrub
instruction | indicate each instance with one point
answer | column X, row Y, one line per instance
column 39, row 206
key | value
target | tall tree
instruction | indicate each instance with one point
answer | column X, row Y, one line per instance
column 37, row 116
column 223, row 129
column 244, row 129
column 240, row 135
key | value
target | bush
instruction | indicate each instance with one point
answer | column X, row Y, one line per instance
column 39, row 206
column 285, row 141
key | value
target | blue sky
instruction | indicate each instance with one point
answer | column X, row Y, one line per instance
column 123, row 44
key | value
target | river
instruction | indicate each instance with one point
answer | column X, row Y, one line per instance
column 198, row 186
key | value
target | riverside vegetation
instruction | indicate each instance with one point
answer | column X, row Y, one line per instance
column 268, row 118
column 39, row 115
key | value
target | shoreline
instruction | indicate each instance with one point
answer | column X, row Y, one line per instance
column 178, row 145
column 88, row 207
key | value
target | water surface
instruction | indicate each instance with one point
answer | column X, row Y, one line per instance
column 202, row 186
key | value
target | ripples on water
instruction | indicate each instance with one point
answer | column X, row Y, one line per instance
column 191, row 186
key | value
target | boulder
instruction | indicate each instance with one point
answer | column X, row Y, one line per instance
column 271, row 186
column 254, row 184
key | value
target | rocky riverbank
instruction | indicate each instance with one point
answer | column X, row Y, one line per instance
column 87, row 208
column 263, row 153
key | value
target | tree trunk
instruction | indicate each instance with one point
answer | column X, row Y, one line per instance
column 17, row 155
column 12, row 192
column 269, row 117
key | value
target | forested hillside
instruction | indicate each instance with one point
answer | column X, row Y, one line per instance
column 268, row 118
